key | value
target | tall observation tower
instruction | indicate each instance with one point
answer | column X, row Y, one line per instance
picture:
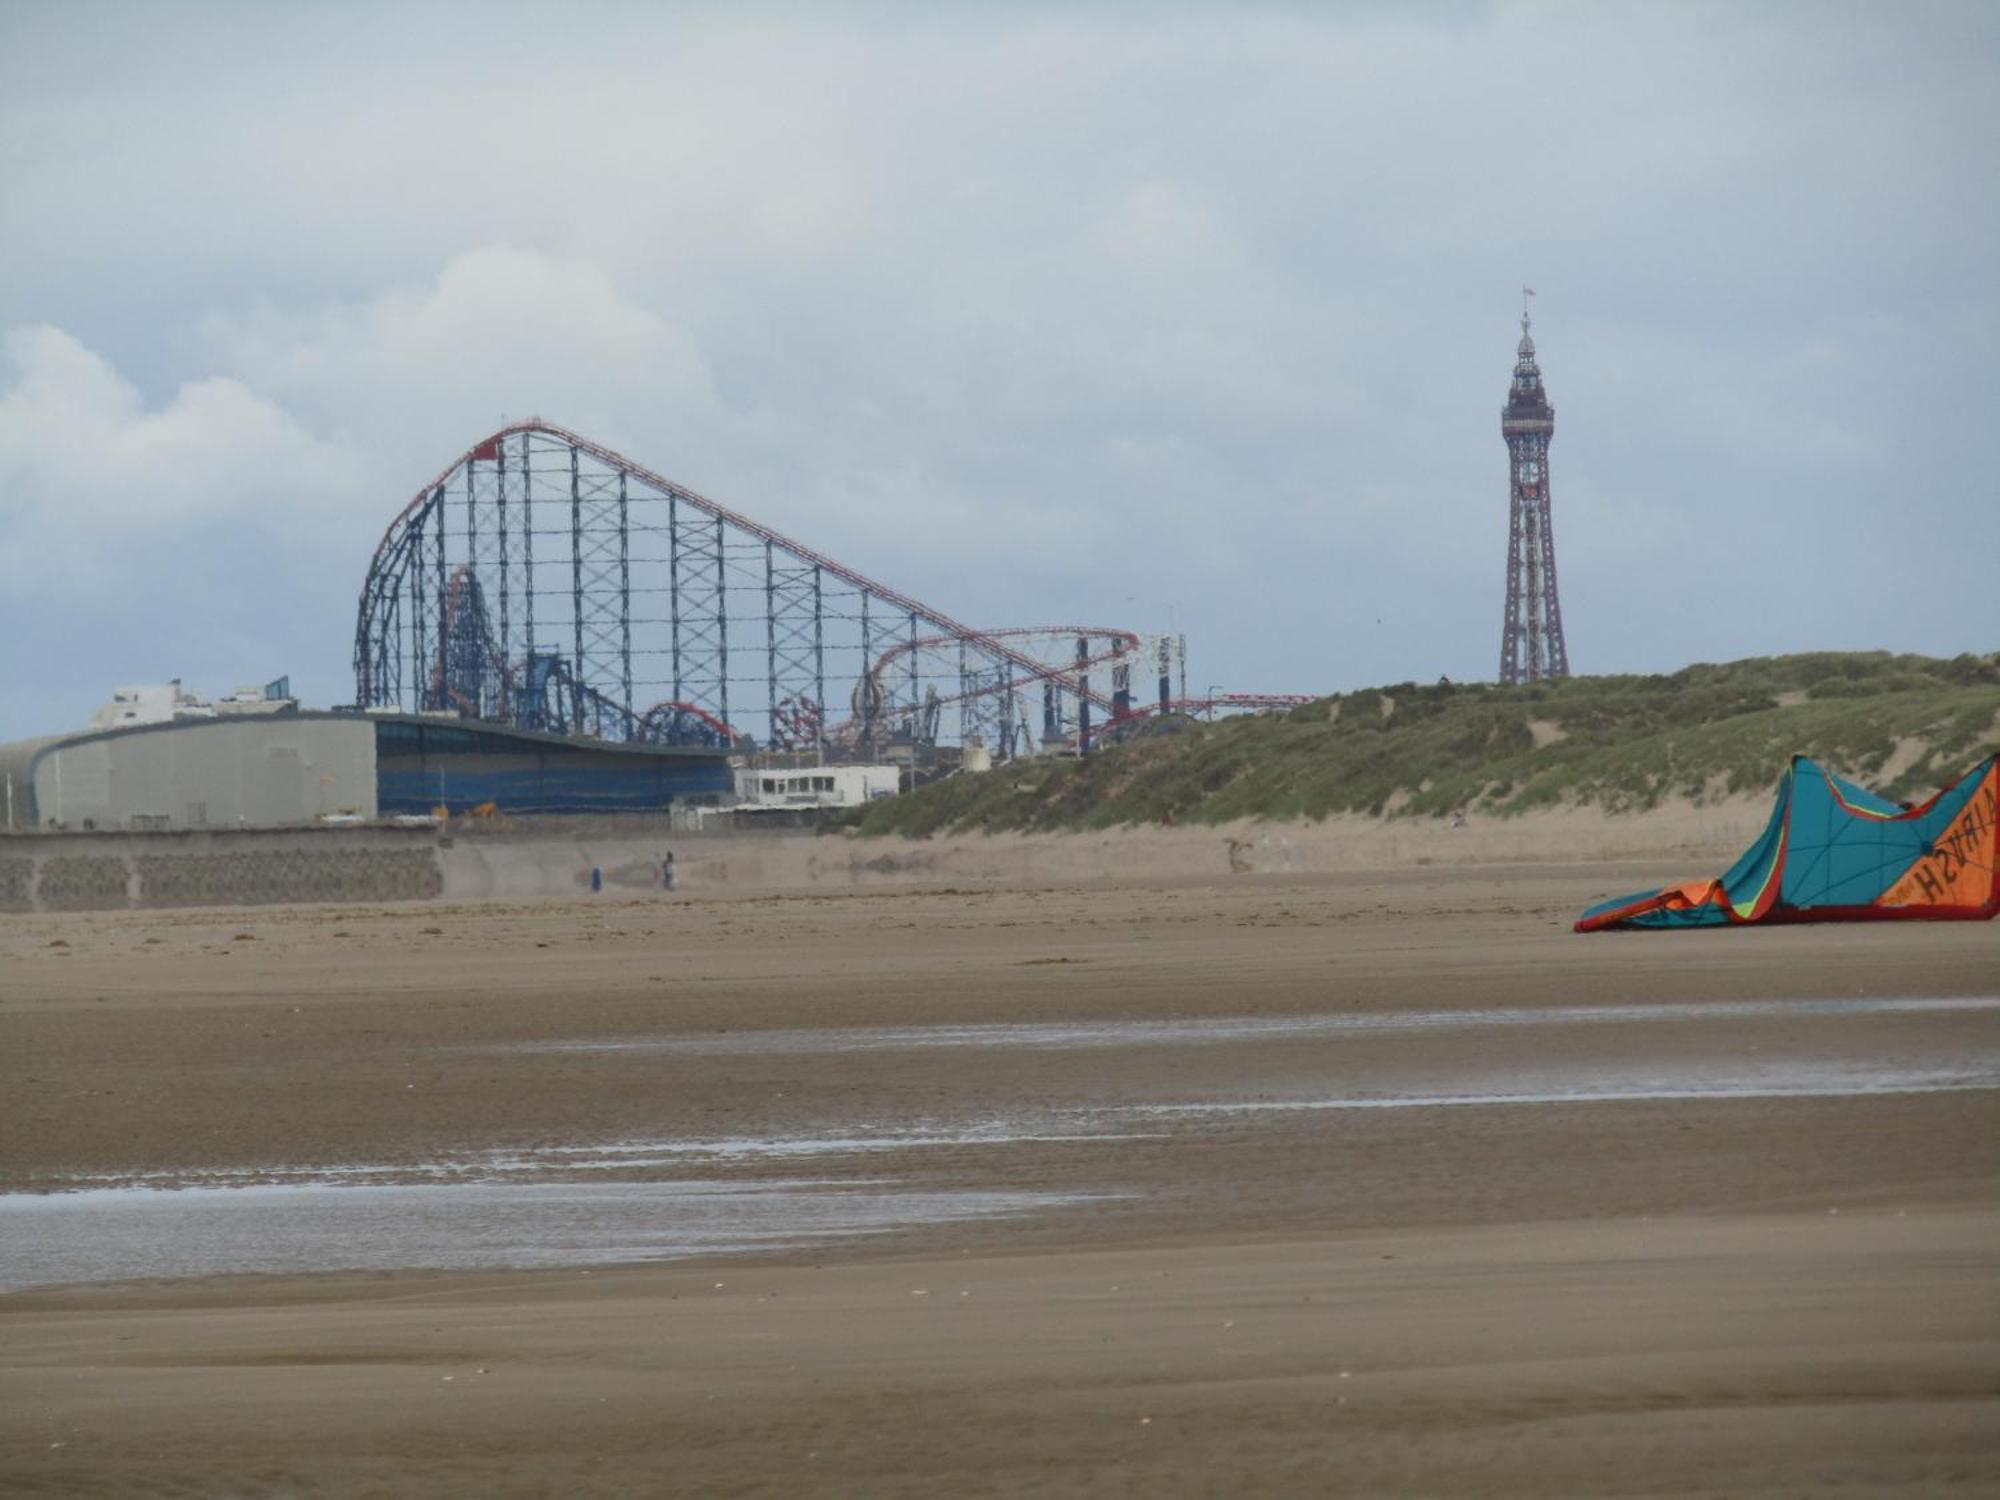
column 1531, row 640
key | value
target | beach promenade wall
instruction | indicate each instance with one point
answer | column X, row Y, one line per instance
column 235, row 867
column 620, row 857
column 544, row 859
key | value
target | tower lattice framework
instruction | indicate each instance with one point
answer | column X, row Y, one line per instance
column 1531, row 638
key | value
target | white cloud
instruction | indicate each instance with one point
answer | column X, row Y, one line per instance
column 497, row 332
column 92, row 481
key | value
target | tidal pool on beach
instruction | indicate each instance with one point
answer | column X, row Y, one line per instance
column 143, row 1233
column 660, row 1194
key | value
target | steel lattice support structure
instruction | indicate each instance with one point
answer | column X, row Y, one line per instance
column 795, row 650
column 698, row 615
column 1531, row 637
column 546, row 581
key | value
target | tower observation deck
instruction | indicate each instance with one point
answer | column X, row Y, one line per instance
column 1531, row 638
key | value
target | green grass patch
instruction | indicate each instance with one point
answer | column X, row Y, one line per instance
column 1903, row 725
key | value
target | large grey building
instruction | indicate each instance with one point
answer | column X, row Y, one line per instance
column 302, row 767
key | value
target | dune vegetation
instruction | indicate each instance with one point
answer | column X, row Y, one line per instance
column 1903, row 725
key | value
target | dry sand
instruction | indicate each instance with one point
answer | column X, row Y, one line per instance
column 1757, row 1294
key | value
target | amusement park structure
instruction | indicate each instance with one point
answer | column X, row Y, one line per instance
column 546, row 582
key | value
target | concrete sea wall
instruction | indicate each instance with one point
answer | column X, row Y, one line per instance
column 112, row 871
column 528, row 859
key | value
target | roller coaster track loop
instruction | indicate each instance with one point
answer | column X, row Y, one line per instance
column 655, row 723
column 1123, row 643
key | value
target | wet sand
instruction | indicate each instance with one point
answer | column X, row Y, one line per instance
column 1362, row 1182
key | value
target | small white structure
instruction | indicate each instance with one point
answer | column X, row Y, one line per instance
column 271, row 698
column 167, row 703
column 815, row 786
column 160, row 703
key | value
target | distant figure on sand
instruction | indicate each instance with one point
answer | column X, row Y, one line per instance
column 667, row 877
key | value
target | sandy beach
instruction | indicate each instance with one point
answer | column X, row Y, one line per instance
column 1143, row 1177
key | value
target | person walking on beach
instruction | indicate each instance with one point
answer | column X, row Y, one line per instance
column 667, row 877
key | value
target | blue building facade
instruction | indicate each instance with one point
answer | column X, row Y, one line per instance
column 423, row 764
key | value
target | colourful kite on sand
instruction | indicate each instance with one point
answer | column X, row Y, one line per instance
column 1834, row 852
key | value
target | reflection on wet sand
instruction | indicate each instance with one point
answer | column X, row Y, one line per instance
column 1062, row 1035
column 594, row 1203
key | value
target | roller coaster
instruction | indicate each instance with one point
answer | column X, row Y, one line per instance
column 546, row 582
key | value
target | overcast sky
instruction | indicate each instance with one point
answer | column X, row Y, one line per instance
column 1152, row 316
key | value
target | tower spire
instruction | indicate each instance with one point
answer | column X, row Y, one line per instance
column 1531, row 636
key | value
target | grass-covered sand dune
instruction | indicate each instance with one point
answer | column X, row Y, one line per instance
column 1901, row 724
